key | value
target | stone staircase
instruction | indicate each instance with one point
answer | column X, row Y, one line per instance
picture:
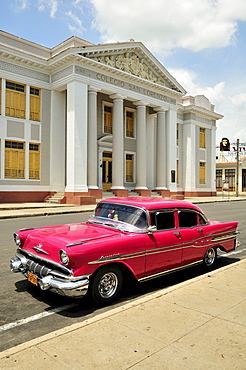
column 106, row 194
column 56, row 197
column 109, row 194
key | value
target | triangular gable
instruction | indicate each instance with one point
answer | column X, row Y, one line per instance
column 133, row 58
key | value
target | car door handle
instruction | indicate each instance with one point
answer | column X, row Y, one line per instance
column 200, row 231
column 178, row 234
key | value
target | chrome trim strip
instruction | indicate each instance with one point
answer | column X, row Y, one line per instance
column 164, row 249
column 225, row 236
column 88, row 240
column 144, row 253
column 158, row 274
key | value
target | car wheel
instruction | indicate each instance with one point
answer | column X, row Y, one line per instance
column 107, row 284
column 210, row 257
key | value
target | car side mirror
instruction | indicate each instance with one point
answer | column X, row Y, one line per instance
column 151, row 229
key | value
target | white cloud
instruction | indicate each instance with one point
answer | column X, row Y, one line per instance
column 166, row 25
column 52, row 5
column 74, row 18
column 20, row 4
column 232, row 107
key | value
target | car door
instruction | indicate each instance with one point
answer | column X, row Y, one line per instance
column 192, row 228
column 164, row 248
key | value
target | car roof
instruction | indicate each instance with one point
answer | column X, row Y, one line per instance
column 151, row 203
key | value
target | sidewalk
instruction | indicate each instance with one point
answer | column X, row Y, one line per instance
column 13, row 210
column 197, row 324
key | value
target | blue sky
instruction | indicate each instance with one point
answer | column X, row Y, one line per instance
column 202, row 43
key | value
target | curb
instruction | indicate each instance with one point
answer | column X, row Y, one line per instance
column 102, row 316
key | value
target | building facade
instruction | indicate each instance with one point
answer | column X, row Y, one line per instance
column 80, row 119
column 231, row 168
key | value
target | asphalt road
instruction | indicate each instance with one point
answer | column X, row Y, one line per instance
column 26, row 312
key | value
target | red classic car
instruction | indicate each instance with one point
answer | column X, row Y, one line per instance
column 140, row 237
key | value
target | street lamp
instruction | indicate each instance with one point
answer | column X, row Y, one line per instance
column 237, row 172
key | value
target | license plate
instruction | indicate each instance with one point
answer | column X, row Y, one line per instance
column 32, row 278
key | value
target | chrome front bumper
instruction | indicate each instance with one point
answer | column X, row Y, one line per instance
column 70, row 286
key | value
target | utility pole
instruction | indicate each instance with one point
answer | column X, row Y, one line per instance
column 237, row 172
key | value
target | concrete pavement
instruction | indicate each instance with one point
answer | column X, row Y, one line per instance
column 13, row 210
column 197, row 324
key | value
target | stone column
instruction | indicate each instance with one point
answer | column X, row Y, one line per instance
column 141, row 149
column 92, row 144
column 118, row 147
column 171, row 127
column 76, row 141
column 161, row 153
column 57, row 133
column 189, row 159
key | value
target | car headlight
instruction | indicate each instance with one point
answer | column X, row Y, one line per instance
column 64, row 257
column 17, row 239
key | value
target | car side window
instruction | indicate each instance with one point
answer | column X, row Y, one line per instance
column 187, row 218
column 164, row 220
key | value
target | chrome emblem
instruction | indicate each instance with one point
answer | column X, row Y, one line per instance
column 39, row 249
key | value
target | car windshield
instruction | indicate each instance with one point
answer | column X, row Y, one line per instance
column 120, row 216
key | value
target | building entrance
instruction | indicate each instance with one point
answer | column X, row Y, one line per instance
column 244, row 180
column 107, row 171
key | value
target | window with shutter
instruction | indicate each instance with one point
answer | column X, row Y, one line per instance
column 14, row 160
column 15, row 103
column 34, row 104
column 202, row 173
column 129, row 168
column 108, row 120
column 129, row 124
column 202, row 137
column 34, row 161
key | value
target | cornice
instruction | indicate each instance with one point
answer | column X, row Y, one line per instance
column 79, row 55
column 200, row 111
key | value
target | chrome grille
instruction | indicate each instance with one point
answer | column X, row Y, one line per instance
column 37, row 269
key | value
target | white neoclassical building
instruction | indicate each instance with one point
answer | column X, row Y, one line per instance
column 80, row 119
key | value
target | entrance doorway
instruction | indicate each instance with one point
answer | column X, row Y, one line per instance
column 107, row 171
column 244, row 180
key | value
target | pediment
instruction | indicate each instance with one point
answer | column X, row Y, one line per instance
column 135, row 60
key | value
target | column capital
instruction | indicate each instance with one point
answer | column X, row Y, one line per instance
column 117, row 96
column 93, row 89
column 140, row 103
column 161, row 109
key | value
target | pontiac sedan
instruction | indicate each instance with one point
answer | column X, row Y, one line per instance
column 139, row 237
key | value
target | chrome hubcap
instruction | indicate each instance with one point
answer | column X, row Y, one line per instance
column 108, row 285
column 210, row 257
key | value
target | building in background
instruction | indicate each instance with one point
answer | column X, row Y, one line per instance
column 226, row 168
column 80, row 119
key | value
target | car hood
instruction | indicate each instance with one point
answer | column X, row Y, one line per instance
column 47, row 242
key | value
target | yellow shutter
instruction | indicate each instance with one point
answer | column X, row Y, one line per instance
column 129, row 168
column 108, row 120
column 34, row 163
column 202, row 138
column 129, row 124
column 7, row 163
column 15, row 100
column 14, row 163
column 35, row 105
column 202, row 173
